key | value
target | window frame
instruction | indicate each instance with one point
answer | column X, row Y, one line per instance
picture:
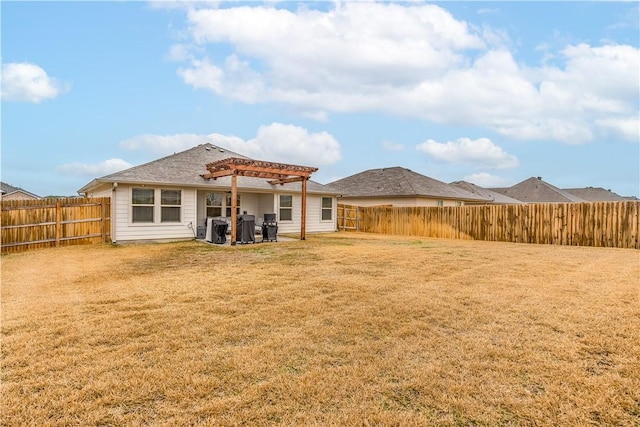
column 286, row 208
column 166, row 204
column 146, row 206
column 208, row 206
column 158, row 206
column 324, row 209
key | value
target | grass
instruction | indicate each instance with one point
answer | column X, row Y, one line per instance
column 341, row 329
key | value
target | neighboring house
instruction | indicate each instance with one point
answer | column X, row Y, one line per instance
column 592, row 194
column 9, row 192
column 169, row 198
column 398, row 186
column 535, row 190
column 494, row 197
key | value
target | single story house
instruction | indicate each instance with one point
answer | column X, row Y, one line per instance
column 494, row 197
column 9, row 192
column 595, row 194
column 535, row 190
column 400, row 187
column 171, row 198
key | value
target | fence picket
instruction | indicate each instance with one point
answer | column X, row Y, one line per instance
column 30, row 224
column 608, row 224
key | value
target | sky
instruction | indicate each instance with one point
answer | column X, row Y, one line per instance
column 487, row 92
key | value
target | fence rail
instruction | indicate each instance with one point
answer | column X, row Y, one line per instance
column 30, row 224
column 600, row 224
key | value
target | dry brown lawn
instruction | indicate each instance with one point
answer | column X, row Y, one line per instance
column 341, row 329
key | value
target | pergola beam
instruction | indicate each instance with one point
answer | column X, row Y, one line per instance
column 278, row 173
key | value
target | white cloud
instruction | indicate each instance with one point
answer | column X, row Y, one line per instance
column 486, row 180
column 26, row 82
column 275, row 142
column 94, row 169
column 356, row 48
column 480, row 152
column 410, row 60
column 625, row 128
column 179, row 52
column 392, row 146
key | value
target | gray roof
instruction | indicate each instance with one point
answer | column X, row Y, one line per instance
column 8, row 189
column 535, row 190
column 399, row 182
column 185, row 168
column 495, row 197
column 593, row 194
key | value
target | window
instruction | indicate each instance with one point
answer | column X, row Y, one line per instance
column 170, row 205
column 286, row 207
column 144, row 205
column 142, row 201
column 458, row 203
column 228, row 204
column 327, row 208
column 214, row 204
column 440, row 203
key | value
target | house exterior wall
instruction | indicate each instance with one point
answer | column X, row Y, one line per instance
column 126, row 230
column 193, row 213
column 314, row 222
column 399, row 201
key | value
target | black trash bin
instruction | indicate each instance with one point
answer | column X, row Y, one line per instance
column 269, row 228
column 219, row 232
column 246, row 229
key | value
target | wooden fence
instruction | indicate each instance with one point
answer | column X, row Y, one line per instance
column 30, row 224
column 601, row 224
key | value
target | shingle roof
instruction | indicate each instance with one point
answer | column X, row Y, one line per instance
column 494, row 196
column 185, row 169
column 593, row 194
column 535, row 190
column 399, row 182
column 8, row 189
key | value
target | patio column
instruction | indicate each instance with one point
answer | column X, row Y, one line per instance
column 234, row 206
column 303, row 220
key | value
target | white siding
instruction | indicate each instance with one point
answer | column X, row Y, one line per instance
column 314, row 215
column 194, row 211
column 314, row 224
column 125, row 230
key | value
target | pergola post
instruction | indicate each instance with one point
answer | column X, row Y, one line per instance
column 303, row 219
column 234, row 207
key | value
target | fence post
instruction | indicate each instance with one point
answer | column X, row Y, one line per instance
column 58, row 223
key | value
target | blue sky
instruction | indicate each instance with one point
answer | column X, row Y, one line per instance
column 488, row 92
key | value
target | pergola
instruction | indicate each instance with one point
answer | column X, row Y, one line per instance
column 275, row 173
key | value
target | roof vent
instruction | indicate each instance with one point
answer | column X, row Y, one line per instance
column 539, row 178
column 221, row 150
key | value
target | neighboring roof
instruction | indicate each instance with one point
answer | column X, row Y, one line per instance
column 7, row 189
column 535, row 190
column 185, row 169
column 399, row 182
column 593, row 194
column 495, row 197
